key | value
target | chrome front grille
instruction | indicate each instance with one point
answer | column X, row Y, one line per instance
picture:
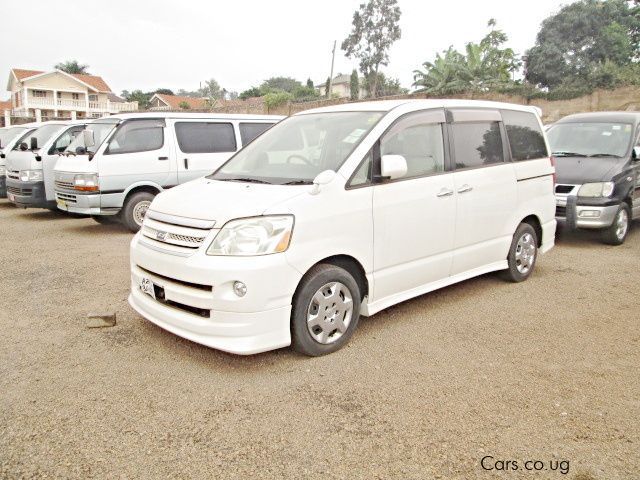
column 66, row 197
column 175, row 235
column 66, row 185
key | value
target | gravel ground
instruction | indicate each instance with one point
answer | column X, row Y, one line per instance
column 547, row 370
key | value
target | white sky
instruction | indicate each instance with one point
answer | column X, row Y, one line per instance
column 149, row 44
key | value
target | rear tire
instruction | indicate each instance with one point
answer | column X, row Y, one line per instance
column 523, row 254
column 617, row 233
column 134, row 210
column 325, row 311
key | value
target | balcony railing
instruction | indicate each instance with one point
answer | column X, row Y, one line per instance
column 81, row 105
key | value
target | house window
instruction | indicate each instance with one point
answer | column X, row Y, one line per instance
column 39, row 93
column 75, row 96
column 59, row 94
column 93, row 98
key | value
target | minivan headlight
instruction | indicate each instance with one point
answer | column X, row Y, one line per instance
column 86, row 182
column 30, row 175
column 253, row 236
column 601, row 189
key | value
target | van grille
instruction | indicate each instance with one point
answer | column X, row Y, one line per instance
column 561, row 212
column 67, row 185
column 20, row 191
column 66, row 197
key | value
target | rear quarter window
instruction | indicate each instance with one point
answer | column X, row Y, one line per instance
column 205, row 137
column 525, row 135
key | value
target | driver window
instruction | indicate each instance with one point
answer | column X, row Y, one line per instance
column 137, row 136
column 65, row 139
column 419, row 141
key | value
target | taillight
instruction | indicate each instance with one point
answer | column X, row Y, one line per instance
column 555, row 177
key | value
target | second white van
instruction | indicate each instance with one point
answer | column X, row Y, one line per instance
column 9, row 137
column 122, row 162
column 344, row 211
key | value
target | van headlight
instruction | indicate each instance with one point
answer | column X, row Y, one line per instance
column 30, row 175
column 86, row 182
column 253, row 236
column 601, row 189
column 3, row 170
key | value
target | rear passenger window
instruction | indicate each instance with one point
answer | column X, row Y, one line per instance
column 419, row 142
column 137, row 136
column 205, row 137
column 477, row 143
column 525, row 136
column 249, row 131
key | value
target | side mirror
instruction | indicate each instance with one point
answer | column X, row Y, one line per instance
column 393, row 166
column 24, row 146
column 88, row 138
column 636, row 153
column 323, row 178
column 81, row 150
column 34, row 143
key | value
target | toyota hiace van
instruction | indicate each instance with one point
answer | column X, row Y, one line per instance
column 9, row 136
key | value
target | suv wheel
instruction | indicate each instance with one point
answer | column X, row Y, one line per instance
column 134, row 210
column 522, row 254
column 616, row 234
column 326, row 309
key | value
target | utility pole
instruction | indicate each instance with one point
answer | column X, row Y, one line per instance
column 333, row 57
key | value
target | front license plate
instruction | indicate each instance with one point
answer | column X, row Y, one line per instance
column 12, row 197
column 61, row 203
column 146, row 286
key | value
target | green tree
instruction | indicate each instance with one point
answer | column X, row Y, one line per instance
column 250, row 93
column 383, row 86
column 442, row 76
column 354, row 85
column 211, row 90
column 309, row 83
column 573, row 42
column 164, row 91
column 72, row 66
column 327, row 84
column 305, row 93
column 285, row 84
column 375, row 28
column 184, row 105
column 276, row 99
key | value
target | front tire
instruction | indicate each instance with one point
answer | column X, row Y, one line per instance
column 134, row 210
column 326, row 309
column 522, row 254
column 104, row 219
column 617, row 233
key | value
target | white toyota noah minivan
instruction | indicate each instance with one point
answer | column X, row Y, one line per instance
column 343, row 211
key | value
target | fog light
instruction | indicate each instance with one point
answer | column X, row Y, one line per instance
column 240, row 289
column 589, row 213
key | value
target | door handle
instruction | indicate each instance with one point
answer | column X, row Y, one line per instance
column 163, row 158
column 186, row 164
column 445, row 192
column 465, row 188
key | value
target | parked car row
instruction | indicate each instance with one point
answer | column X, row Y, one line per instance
column 336, row 212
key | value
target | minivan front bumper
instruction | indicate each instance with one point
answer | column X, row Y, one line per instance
column 194, row 297
column 574, row 215
column 28, row 194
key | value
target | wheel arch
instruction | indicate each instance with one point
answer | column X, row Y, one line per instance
column 348, row 263
column 534, row 221
column 153, row 188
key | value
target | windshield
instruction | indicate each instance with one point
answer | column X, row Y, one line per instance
column 8, row 134
column 297, row 149
column 42, row 134
column 100, row 133
column 590, row 139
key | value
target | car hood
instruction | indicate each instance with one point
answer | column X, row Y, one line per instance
column 221, row 201
column 579, row 170
column 76, row 164
column 22, row 160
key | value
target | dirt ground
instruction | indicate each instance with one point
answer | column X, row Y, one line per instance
column 547, row 371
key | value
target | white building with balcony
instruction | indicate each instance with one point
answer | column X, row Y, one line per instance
column 57, row 94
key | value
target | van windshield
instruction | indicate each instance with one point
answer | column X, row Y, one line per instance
column 8, row 134
column 297, row 149
column 100, row 133
column 590, row 139
column 41, row 134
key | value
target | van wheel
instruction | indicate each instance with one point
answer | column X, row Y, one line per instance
column 616, row 234
column 522, row 254
column 326, row 309
column 134, row 210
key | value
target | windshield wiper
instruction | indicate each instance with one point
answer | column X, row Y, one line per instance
column 568, row 154
column 248, row 180
column 298, row 182
column 604, row 155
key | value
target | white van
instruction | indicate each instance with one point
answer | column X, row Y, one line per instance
column 9, row 136
column 287, row 244
column 31, row 161
column 130, row 158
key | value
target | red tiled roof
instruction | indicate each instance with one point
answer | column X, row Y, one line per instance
column 5, row 105
column 174, row 101
column 92, row 80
